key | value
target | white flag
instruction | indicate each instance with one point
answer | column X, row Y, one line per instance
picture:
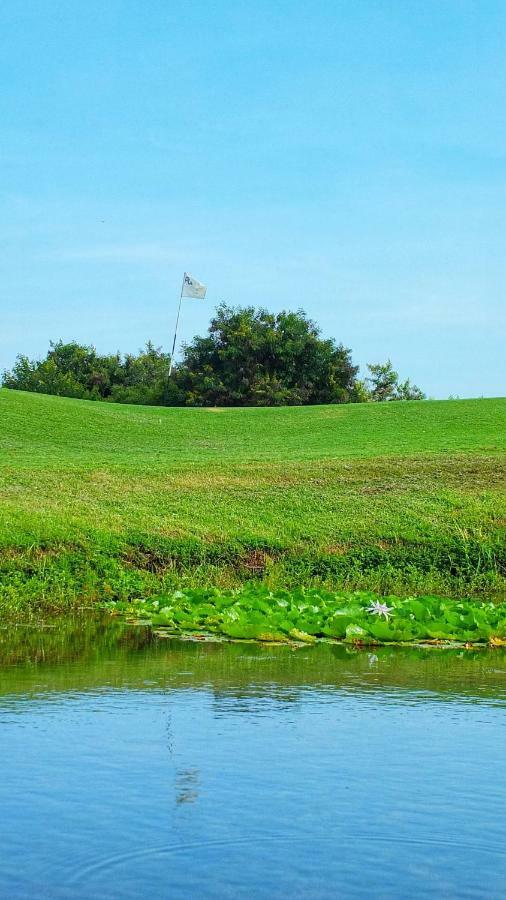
column 193, row 288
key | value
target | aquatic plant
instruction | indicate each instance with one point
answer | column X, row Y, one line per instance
column 256, row 613
column 380, row 609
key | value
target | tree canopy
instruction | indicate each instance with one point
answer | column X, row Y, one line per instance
column 385, row 384
column 256, row 358
column 74, row 370
column 249, row 357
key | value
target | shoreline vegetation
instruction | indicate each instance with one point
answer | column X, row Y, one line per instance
column 304, row 616
column 104, row 502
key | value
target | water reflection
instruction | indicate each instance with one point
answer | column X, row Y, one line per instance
column 93, row 654
column 187, row 786
column 133, row 767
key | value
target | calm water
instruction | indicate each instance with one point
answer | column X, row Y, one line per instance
column 138, row 767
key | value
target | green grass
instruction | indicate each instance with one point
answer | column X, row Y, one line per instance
column 110, row 501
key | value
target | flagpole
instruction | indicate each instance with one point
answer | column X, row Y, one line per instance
column 175, row 331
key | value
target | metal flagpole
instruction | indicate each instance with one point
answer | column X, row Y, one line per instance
column 177, row 323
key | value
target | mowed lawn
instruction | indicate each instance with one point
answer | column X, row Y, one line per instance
column 103, row 500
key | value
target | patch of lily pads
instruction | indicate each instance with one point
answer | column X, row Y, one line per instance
column 256, row 613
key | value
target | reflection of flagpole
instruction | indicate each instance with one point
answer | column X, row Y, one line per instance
column 177, row 323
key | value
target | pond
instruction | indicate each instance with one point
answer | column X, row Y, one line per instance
column 137, row 766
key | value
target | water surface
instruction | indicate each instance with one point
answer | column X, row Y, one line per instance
column 135, row 766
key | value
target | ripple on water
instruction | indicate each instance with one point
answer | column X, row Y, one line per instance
column 184, row 771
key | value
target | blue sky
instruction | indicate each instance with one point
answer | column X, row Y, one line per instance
column 346, row 157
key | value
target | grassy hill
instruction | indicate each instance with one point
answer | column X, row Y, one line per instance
column 102, row 500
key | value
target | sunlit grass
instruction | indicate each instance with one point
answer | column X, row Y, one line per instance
column 106, row 500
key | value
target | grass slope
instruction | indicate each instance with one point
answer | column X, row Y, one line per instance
column 102, row 500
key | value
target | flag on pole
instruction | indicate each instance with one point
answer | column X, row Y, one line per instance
column 193, row 288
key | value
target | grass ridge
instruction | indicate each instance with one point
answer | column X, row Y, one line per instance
column 101, row 501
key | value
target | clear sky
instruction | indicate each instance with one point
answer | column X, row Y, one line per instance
column 347, row 157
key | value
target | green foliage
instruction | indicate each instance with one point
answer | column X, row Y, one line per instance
column 255, row 358
column 385, row 385
column 248, row 358
column 362, row 392
column 44, row 377
column 257, row 613
column 407, row 391
column 72, row 370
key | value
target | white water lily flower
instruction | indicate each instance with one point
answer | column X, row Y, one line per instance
column 380, row 609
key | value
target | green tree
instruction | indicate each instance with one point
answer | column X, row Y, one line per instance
column 362, row 392
column 144, row 379
column 384, row 381
column 408, row 391
column 74, row 370
column 255, row 358
column 44, row 377
column 249, row 357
